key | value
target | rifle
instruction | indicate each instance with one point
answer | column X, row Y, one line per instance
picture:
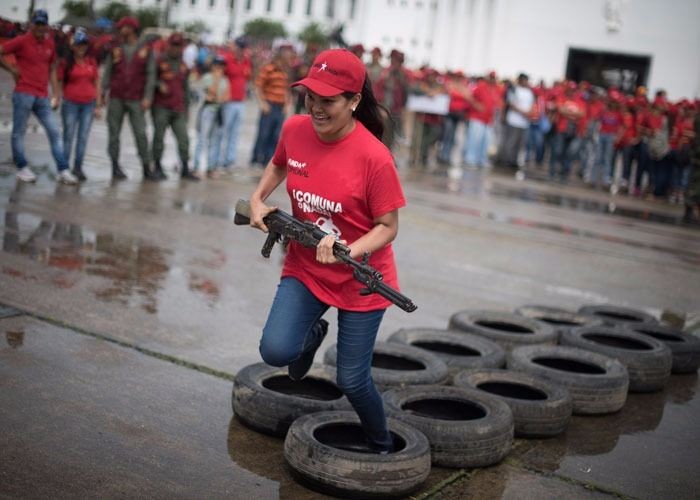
column 283, row 226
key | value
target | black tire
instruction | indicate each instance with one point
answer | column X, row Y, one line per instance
column 465, row 427
column 326, row 451
column 540, row 408
column 396, row 365
column 597, row 383
column 685, row 348
column 267, row 400
column 648, row 361
column 458, row 350
column 615, row 315
column 560, row 319
column 506, row 329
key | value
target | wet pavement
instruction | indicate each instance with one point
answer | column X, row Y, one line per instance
column 128, row 308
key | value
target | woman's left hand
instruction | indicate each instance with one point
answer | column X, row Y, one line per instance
column 324, row 250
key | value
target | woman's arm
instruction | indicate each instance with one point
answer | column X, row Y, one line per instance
column 271, row 178
column 384, row 231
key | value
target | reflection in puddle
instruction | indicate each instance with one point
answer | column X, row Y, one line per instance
column 135, row 270
column 684, row 255
column 15, row 338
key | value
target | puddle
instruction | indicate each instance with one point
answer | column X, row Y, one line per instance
column 135, row 271
column 684, row 255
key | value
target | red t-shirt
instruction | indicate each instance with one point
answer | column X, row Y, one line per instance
column 238, row 72
column 682, row 131
column 81, row 85
column 487, row 96
column 341, row 187
column 654, row 121
column 34, row 60
column 629, row 129
column 610, row 122
column 573, row 105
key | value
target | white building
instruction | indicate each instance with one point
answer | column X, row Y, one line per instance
column 616, row 41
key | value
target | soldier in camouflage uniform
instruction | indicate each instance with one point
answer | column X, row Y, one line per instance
column 692, row 198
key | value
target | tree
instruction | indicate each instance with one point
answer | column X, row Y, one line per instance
column 148, row 16
column 264, row 30
column 313, row 34
column 76, row 8
column 196, row 27
column 114, row 11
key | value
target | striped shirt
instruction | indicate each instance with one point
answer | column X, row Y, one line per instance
column 272, row 83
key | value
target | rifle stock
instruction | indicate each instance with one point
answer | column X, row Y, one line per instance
column 282, row 225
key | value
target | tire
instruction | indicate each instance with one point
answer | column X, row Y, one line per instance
column 316, row 459
column 685, row 348
column 540, row 408
column 396, row 365
column 458, row 350
column 597, row 383
column 465, row 427
column 561, row 320
column 506, row 329
column 614, row 315
column 267, row 400
column 648, row 361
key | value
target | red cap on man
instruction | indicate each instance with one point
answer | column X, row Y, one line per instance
column 128, row 21
column 333, row 72
column 176, row 39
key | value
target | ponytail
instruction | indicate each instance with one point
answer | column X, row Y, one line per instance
column 369, row 112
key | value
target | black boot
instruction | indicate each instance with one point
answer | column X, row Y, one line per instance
column 117, row 172
column 78, row 173
column 158, row 173
column 186, row 174
column 147, row 174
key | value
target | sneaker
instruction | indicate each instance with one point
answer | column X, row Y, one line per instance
column 66, row 177
column 78, row 173
column 299, row 368
column 25, row 174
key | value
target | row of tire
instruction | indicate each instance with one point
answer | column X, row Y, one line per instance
column 471, row 422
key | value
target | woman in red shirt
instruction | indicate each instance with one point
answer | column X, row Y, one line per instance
column 340, row 177
column 79, row 75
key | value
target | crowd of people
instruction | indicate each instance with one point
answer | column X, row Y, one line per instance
column 568, row 130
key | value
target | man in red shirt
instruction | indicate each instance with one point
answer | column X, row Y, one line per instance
column 567, row 139
column 238, row 71
column 35, row 53
column 483, row 100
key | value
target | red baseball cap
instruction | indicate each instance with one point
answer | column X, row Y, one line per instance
column 333, row 72
column 128, row 21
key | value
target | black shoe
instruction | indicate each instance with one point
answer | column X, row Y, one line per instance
column 159, row 173
column 78, row 173
column 117, row 173
column 189, row 176
column 299, row 368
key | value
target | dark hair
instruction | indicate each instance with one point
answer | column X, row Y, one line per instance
column 369, row 112
column 70, row 62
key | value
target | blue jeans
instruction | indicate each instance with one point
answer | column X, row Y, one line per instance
column 208, row 138
column 233, row 117
column 565, row 149
column 449, row 130
column 22, row 105
column 476, row 143
column 534, row 144
column 289, row 332
column 76, row 116
column 602, row 167
column 269, row 128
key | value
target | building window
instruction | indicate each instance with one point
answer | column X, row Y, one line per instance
column 330, row 9
column 309, row 7
column 249, row 5
column 269, row 6
column 353, row 8
column 290, row 6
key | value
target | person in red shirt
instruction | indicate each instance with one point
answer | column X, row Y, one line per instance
column 35, row 54
column 483, row 102
column 391, row 90
column 570, row 110
column 456, row 86
column 343, row 179
column 238, row 71
column 610, row 119
column 625, row 141
column 682, row 136
column 80, row 78
column 426, row 126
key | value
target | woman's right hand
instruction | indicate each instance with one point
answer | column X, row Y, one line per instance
column 258, row 211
